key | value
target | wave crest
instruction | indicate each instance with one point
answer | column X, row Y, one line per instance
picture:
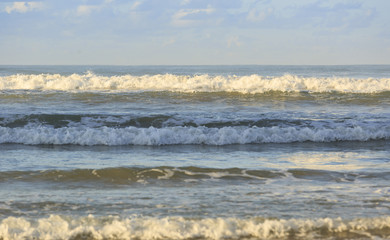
column 57, row 227
column 192, row 83
column 188, row 135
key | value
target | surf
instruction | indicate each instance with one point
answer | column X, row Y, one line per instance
column 247, row 84
column 137, row 227
column 179, row 135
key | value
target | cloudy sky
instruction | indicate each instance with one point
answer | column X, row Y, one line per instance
column 150, row 32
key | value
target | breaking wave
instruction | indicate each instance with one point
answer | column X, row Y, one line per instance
column 63, row 227
column 83, row 135
column 192, row 83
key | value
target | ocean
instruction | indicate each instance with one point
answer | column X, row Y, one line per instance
column 195, row 152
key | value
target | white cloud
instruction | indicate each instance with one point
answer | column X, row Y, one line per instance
column 258, row 16
column 22, row 7
column 233, row 41
column 85, row 10
column 178, row 19
column 185, row 2
column 135, row 5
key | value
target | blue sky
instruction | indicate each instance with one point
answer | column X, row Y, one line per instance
column 150, row 32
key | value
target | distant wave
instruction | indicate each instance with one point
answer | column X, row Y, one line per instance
column 59, row 227
column 192, row 83
column 83, row 135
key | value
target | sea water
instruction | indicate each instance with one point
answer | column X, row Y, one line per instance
column 195, row 152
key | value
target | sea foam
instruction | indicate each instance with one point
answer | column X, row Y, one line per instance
column 57, row 227
column 188, row 135
column 192, row 83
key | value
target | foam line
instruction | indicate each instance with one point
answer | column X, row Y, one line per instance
column 57, row 227
column 188, row 135
column 192, row 83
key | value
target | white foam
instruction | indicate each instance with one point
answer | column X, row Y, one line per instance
column 189, row 83
column 57, row 227
column 188, row 135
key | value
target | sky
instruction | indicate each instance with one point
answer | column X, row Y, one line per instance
column 195, row 32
